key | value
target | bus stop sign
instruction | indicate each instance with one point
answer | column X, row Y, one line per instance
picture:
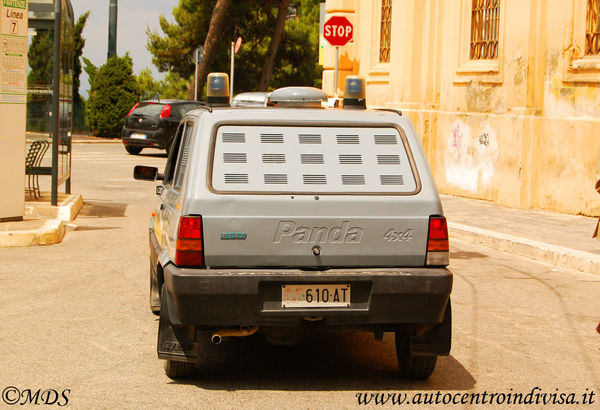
column 338, row 31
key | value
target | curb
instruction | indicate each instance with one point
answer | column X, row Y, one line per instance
column 52, row 232
column 556, row 255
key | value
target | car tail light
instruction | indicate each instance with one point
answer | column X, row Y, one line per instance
column 133, row 108
column 189, row 250
column 438, row 246
column 166, row 111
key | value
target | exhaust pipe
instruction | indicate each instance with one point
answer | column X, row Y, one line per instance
column 219, row 335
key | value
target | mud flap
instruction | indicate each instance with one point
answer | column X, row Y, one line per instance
column 436, row 341
column 175, row 342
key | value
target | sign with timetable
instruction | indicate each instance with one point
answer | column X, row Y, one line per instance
column 13, row 103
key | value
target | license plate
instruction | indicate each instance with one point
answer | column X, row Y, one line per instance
column 138, row 136
column 315, row 296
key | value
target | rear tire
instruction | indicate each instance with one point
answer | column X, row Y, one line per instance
column 133, row 150
column 412, row 366
column 178, row 370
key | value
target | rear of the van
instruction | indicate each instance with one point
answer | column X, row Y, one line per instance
column 309, row 216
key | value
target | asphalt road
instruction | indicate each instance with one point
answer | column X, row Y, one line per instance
column 76, row 320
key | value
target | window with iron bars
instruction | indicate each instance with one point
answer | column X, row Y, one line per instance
column 592, row 28
column 485, row 26
column 385, row 38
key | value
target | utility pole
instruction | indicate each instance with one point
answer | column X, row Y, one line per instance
column 112, row 29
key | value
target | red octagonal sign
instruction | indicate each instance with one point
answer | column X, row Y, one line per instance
column 338, row 31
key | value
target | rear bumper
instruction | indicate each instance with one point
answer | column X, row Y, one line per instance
column 155, row 139
column 249, row 297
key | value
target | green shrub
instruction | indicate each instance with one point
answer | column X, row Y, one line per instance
column 113, row 91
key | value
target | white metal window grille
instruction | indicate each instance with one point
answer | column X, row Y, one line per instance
column 275, row 159
column 592, row 28
column 385, row 37
column 485, row 26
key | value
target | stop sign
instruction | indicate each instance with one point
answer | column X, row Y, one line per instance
column 338, row 31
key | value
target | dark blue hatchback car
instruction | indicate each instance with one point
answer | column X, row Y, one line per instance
column 153, row 123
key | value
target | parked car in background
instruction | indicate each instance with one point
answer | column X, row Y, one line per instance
column 153, row 123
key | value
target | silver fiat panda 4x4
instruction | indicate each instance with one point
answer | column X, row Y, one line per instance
column 289, row 217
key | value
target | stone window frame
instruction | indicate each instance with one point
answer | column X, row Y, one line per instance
column 484, row 71
column 578, row 66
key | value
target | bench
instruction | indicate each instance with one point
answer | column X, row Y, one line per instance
column 33, row 168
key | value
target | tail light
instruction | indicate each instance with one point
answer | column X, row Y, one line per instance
column 189, row 250
column 437, row 242
column 133, row 108
column 166, row 111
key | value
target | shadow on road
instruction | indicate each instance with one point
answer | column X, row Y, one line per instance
column 100, row 209
column 350, row 361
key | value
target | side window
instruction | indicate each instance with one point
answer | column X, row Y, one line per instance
column 172, row 159
column 184, row 153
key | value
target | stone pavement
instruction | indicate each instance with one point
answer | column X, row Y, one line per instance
column 561, row 239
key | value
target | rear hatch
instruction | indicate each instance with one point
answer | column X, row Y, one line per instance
column 145, row 117
column 316, row 197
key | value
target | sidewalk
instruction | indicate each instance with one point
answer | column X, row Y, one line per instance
column 42, row 224
column 561, row 239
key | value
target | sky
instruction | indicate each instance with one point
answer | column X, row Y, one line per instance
column 134, row 16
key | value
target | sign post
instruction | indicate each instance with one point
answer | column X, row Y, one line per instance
column 338, row 31
column 235, row 47
column 13, row 104
column 198, row 56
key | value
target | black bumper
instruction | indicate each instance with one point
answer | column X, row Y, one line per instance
column 155, row 139
column 249, row 297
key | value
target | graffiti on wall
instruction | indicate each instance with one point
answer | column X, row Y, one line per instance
column 471, row 160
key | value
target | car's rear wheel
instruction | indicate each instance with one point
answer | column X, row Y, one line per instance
column 178, row 370
column 133, row 150
column 412, row 366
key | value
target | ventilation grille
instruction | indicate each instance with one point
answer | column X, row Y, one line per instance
column 236, row 178
column 273, row 158
column 234, row 158
column 350, row 159
column 388, row 159
column 312, row 179
column 348, row 139
column 276, row 179
column 308, row 159
column 234, row 138
column 392, row 180
column 310, row 139
column 353, row 179
column 386, row 140
column 312, row 160
column 271, row 138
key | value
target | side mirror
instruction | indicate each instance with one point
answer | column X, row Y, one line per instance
column 143, row 173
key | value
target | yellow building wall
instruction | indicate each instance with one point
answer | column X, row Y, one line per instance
column 522, row 131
